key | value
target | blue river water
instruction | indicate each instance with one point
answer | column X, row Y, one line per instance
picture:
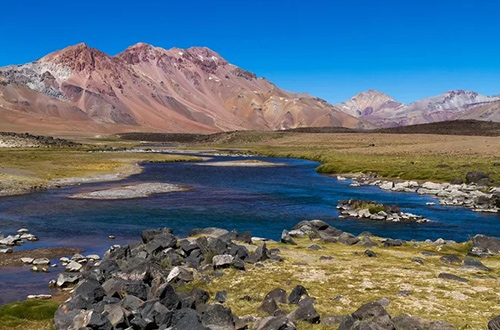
column 264, row 200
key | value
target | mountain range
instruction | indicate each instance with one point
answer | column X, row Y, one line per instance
column 81, row 90
column 381, row 110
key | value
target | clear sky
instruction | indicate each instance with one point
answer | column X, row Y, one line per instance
column 331, row 49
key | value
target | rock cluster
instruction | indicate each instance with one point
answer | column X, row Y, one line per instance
column 133, row 287
column 137, row 286
column 23, row 235
column 376, row 211
column 374, row 316
column 476, row 193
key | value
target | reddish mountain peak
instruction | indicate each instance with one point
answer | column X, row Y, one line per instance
column 80, row 57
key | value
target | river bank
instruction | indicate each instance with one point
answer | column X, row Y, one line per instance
column 25, row 171
column 257, row 281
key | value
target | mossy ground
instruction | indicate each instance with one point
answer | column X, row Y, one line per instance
column 360, row 279
column 28, row 315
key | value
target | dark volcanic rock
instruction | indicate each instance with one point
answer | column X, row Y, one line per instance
column 274, row 323
column 470, row 263
column 483, row 246
column 450, row 260
column 494, row 324
column 221, row 296
column 407, row 322
column 478, row 177
column 296, row 294
column 370, row 253
column 150, row 234
column 369, row 310
column 305, row 312
column 452, row 277
column 268, row 306
column 278, row 295
column 218, row 317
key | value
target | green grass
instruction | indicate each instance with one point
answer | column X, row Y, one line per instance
column 28, row 315
column 24, row 168
column 404, row 167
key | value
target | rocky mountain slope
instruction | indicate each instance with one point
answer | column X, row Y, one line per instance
column 147, row 88
column 383, row 111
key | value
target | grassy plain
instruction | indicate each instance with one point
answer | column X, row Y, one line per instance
column 33, row 168
column 395, row 156
column 355, row 279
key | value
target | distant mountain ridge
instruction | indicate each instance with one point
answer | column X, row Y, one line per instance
column 383, row 111
column 147, row 88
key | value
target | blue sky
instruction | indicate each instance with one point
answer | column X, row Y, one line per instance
column 331, row 49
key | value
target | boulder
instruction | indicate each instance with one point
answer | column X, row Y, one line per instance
column 470, row 263
column 370, row 310
column 297, row 294
column 406, row 321
column 450, row 259
column 180, row 274
column 478, row 177
column 41, row 261
column 370, row 254
column 187, row 319
column 286, row 238
column 305, row 312
column 65, row 280
column 452, row 277
column 217, row 317
column 73, row 266
column 348, row 239
column 494, row 324
column 261, row 254
column 150, row 234
column 278, row 295
column 274, row 323
column 483, row 246
column 222, row 261
column 268, row 306
column 221, row 296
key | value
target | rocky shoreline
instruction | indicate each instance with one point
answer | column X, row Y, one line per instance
column 148, row 284
column 376, row 211
column 477, row 193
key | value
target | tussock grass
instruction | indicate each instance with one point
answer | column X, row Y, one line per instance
column 359, row 279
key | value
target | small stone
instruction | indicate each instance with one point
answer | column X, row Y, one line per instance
column 74, row 266
column 5, row 251
column 221, row 296
column 27, row 260
column 418, row 260
column 370, row 254
column 111, row 237
column 384, row 301
column 452, row 277
column 41, row 261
